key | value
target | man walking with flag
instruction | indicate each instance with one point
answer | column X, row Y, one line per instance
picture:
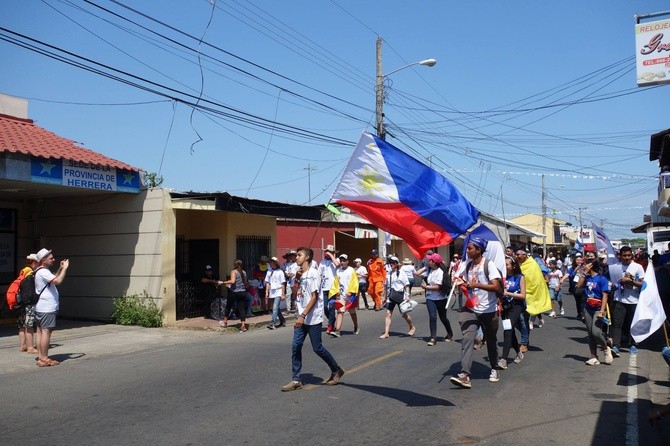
column 627, row 278
column 649, row 313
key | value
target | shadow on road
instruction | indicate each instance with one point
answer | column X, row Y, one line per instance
column 411, row 399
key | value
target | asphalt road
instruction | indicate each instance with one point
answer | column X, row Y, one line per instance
column 175, row 387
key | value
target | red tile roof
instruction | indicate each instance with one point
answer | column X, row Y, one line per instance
column 23, row 136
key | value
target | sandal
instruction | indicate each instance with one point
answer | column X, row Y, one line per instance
column 52, row 362
column 223, row 323
column 243, row 329
column 43, row 363
column 384, row 336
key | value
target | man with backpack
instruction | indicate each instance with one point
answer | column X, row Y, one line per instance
column 47, row 303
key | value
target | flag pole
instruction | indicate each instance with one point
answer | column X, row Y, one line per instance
column 451, row 293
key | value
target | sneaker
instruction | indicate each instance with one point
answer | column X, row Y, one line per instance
column 495, row 376
column 329, row 329
column 552, row 314
column 592, row 361
column 449, row 337
column 502, row 364
column 633, row 350
column 478, row 344
column 519, row 358
column 530, row 325
column 608, row 356
column 462, row 379
column 431, row 343
column 615, row 351
column 562, row 312
column 540, row 324
column 271, row 327
column 335, row 334
column 357, row 330
column 335, row 378
column 293, row 385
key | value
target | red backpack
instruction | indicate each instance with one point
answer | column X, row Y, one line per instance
column 14, row 300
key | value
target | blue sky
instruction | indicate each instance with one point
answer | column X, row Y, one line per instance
column 521, row 89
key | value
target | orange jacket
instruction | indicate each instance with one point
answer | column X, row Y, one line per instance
column 376, row 270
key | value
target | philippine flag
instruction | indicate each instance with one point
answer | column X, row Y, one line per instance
column 649, row 313
column 403, row 196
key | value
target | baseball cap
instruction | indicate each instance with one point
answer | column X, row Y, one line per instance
column 264, row 258
column 274, row 259
column 344, row 256
column 374, row 251
column 208, row 267
column 579, row 254
column 435, row 257
column 32, row 257
column 394, row 259
column 358, row 260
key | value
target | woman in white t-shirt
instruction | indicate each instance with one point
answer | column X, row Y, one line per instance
column 362, row 273
column 437, row 293
column 397, row 289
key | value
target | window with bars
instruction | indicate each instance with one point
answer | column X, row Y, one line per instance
column 249, row 249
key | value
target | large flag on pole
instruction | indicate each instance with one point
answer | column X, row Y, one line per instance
column 603, row 244
column 649, row 314
column 403, row 196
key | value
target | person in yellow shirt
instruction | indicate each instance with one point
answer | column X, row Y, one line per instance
column 26, row 320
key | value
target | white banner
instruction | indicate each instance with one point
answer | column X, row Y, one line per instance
column 652, row 48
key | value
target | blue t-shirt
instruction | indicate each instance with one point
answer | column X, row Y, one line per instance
column 594, row 287
column 513, row 285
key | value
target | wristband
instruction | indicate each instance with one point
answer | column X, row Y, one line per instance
column 304, row 316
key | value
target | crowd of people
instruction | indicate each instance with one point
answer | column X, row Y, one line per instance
column 531, row 286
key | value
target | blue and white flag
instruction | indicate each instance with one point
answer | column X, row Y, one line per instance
column 603, row 244
column 649, row 314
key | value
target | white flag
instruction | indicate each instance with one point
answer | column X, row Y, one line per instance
column 649, row 314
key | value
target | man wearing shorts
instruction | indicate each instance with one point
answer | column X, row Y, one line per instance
column 47, row 305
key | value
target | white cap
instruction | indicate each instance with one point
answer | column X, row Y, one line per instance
column 343, row 256
column 32, row 257
column 358, row 260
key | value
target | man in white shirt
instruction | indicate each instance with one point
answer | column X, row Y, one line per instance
column 626, row 277
column 327, row 269
column 275, row 290
column 46, row 308
column 481, row 278
column 308, row 323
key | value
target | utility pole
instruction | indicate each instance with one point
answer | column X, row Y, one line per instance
column 309, row 170
column 581, row 241
column 381, row 132
column 544, row 218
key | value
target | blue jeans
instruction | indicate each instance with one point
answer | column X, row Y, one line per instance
column 522, row 325
column 331, row 313
column 299, row 335
column 437, row 308
column 276, row 302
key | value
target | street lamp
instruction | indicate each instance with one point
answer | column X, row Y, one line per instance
column 379, row 90
column 379, row 110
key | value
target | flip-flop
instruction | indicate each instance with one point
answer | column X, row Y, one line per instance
column 43, row 363
column 52, row 362
column 384, row 336
column 33, row 351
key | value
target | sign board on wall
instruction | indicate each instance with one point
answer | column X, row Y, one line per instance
column 652, row 48
column 64, row 172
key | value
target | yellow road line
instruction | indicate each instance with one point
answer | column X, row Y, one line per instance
column 365, row 365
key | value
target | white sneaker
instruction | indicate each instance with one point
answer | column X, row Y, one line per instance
column 562, row 312
column 502, row 363
column 530, row 325
column 552, row 314
column 592, row 361
column 494, row 377
column 519, row 358
column 608, row 356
